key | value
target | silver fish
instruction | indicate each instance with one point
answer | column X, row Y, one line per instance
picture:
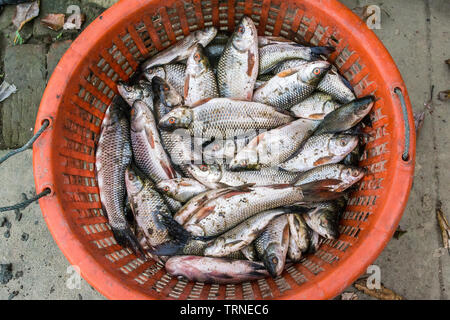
column 113, row 155
column 347, row 116
column 242, row 235
column 228, row 210
column 271, row 55
column 181, row 50
column 238, row 66
column 167, row 94
column 216, row 176
column 292, row 86
column 224, row 118
column 321, row 149
column 181, row 189
column 174, row 74
column 266, row 40
column 223, row 151
column 273, row 147
column 215, row 270
column 140, row 91
column 200, row 81
column 148, row 151
column 346, row 174
column 315, row 107
column 299, row 236
column 250, row 252
column 324, row 219
column 272, row 245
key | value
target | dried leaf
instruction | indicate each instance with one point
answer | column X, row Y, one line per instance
column 444, row 95
column 381, row 294
column 25, row 12
column 445, row 229
column 447, row 61
column 6, row 90
column 419, row 118
column 54, row 21
column 349, row 296
column 399, row 232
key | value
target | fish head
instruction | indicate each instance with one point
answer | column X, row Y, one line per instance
column 113, row 114
column 138, row 115
column 312, row 73
column 167, row 93
column 273, row 259
column 362, row 106
column 328, row 223
column 206, row 35
column 197, row 63
column 351, row 175
column 154, row 72
column 133, row 181
column 342, row 144
column 245, row 35
column 206, row 173
column 140, row 91
column 168, row 187
column 180, row 117
column 219, row 149
column 245, row 161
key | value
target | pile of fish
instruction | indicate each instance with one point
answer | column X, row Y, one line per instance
column 230, row 156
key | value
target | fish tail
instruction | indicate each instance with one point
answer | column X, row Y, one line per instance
column 126, row 238
column 321, row 190
column 318, row 51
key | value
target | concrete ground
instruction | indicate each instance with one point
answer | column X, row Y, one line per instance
column 416, row 33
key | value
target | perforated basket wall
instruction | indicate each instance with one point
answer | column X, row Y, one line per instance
column 112, row 48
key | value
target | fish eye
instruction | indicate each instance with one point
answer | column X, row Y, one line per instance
column 355, row 173
column 316, row 71
column 131, row 176
column 172, row 120
column 166, row 88
column 241, row 29
column 166, row 189
column 216, row 147
column 274, row 260
column 343, row 142
column 197, row 57
column 203, row 167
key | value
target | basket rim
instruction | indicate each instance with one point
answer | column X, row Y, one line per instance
column 327, row 284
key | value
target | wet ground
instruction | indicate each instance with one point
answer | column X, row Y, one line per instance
column 416, row 33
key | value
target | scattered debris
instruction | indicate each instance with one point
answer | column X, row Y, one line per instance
column 75, row 20
column 25, row 12
column 399, row 232
column 13, row 295
column 419, row 116
column 7, row 234
column 349, row 296
column 444, row 226
column 381, row 294
column 25, row 237
column 3, row 222
column 54, row 21
column 444, row 95
column 19, row 274
column 5, row 273
column 6, row 90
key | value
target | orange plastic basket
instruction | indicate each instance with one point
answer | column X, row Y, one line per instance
column 112, row 47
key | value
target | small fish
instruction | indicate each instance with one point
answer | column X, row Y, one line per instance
column 242, row 235
column 299, row 236
column 230, row 209
column 174, row 74
column 167, row 94
column 217, row 176
column 275, row 146
column 319, row 150
column 347, row 175
column 324, row 219
column 271, row 55
column 266, row 40
column 181, row 50
column 200, row 81
column 215, row 270
column 223, row 118
column 347, row 116
column 238, row 66
column 272, row 245
column 113, row 155
column 181, row 189
column 148, row 151
column 292, row 86
column 315, row 107
column 140, row 91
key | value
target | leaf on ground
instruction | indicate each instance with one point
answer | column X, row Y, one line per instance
column 6, row 90
column 54, row 21
column 381, row 294
column 349, row 296
column 419, row 118
column 399, row 232
column 445, row 228
column 25, row 12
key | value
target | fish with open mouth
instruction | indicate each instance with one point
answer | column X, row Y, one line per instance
column 239, row 63
column 113, row 155
column 292, row 86
column 180, row 51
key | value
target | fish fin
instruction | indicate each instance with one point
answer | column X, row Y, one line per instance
column 318, row 51
column 186, row 86
column 169, row 248
column 251, row 63
column 323, row 160
column 286, row 73
column 320, row 190
column 126, row 238
column 175, row 229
